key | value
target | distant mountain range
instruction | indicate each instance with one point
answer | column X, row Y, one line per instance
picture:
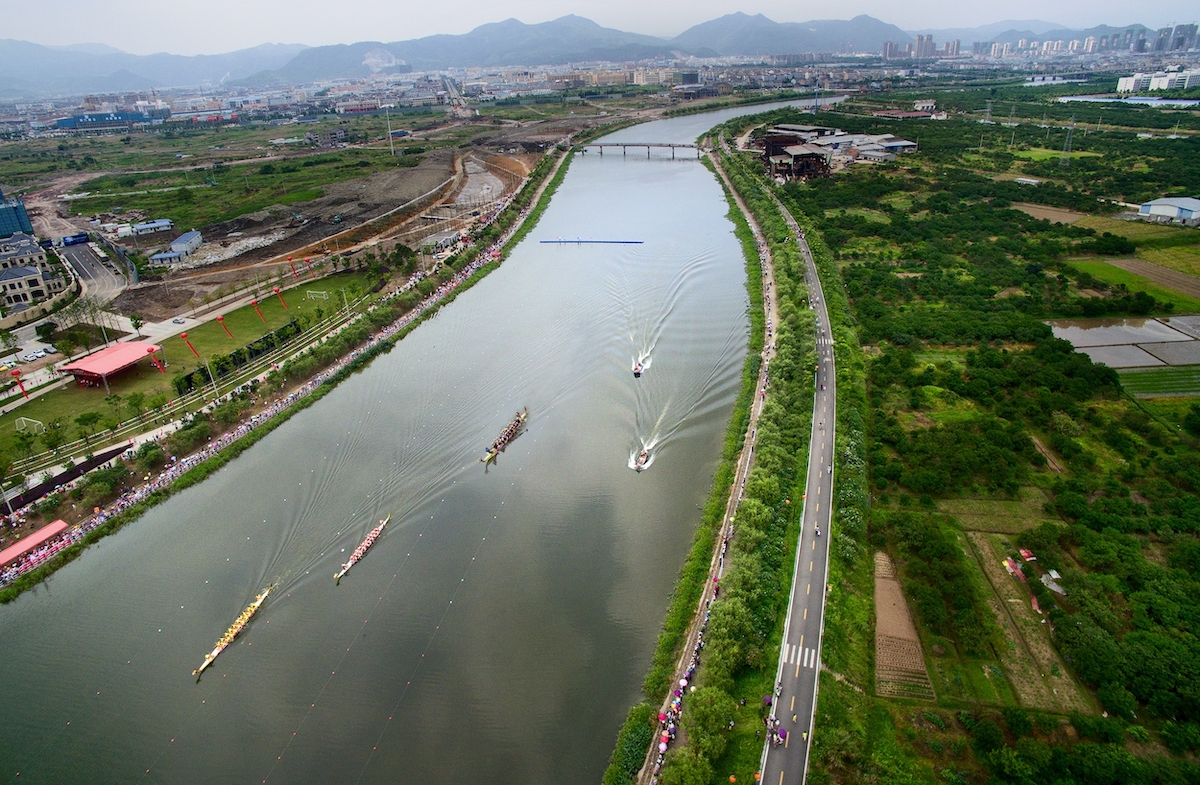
column 575, row 39
column 30, row 70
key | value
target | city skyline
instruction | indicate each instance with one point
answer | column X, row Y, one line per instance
column 220, row 26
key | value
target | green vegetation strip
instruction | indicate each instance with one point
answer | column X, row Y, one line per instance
column 358, row 334
column 625, row 762
column 1162, row 382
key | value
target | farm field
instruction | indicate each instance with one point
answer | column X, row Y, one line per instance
column 1038, row 673
column 1179, row 381
column 998, row 515
column 1110, row 273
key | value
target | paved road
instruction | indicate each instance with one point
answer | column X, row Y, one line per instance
column 97, row 279
column 800, row 655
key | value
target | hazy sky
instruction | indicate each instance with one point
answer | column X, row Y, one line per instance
column 213, row 26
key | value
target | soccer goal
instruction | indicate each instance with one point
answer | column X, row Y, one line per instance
column 33, row 426
column 315, row 295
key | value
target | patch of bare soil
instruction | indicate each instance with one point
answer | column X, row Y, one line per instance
column 356, row 201
column 1056, row 215
column 1012, row 291
column 899, row 662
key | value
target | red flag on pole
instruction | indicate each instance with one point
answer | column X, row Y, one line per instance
column 189, row 345
column 17, row 375
column 150, row 351
column 260, row 316
column 221, row 321
column 280, row 296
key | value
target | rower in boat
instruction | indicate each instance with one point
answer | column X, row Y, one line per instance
column 507, row 435
column 642, row 459
column 637, row 370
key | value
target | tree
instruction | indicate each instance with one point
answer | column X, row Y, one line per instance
column 55, row 436
column 116, row 403
column 7, row 340
column 5, row 468
column 66, row 347
column 685, row 767
column 87, row 422
column 136, row 401
column 24, row 440
column 156, row 401
column 706, row 719
column 137, row 321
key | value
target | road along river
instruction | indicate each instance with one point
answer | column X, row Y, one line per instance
column 499, row 629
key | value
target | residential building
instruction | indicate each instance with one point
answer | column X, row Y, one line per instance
column 1184, row 37
column 24, row 286
column 13, row 217
column 22, row 250
column 328, row 137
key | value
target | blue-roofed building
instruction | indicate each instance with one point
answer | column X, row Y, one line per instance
column 157, row 225
column 13, row 217
column 1172, row 209
column 187, row 243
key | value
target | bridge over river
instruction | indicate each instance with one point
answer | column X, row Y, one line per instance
column 672, row 146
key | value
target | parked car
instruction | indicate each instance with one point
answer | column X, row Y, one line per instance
column 39, row 354
column 28, row 358
column 179, row 320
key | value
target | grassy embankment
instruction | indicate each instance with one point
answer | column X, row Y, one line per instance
column 633, row 740
column 298, row 369
column 745, row 624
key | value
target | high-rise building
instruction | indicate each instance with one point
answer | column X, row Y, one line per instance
column 891, row 51
column 924, row 46
column 1162, row 41
column 13, row 217
column 1089, row 44
column 1184, row 37
column 952, row 48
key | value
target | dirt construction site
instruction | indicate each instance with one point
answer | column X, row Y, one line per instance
column 447, row 191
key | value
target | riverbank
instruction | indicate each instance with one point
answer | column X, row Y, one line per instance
column 191, row 470
column 742, row 620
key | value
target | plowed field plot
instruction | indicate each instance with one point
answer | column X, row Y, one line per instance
column 899, row 662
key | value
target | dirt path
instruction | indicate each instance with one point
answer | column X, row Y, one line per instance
column 1051, row 459
column 1163, row 276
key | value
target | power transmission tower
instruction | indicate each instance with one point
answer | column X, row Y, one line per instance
column 1066, row 153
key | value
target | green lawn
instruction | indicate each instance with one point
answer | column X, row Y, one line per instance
column 1136, row 283
column 1177, row 381
column 998, row 515
column 209, row 339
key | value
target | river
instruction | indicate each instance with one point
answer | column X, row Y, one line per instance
column 499, row 629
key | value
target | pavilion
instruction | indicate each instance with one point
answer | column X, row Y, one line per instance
column 96, row 369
